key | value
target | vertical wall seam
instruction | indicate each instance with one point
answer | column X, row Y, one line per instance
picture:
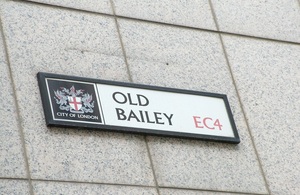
column 244, row 115
column 239, row 98
column 131, row 80
column 21, row 131
column 152, row 165
column 121, row 40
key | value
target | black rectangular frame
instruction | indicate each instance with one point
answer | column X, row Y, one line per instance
column 51, row 122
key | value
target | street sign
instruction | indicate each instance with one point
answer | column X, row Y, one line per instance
column 126, row 107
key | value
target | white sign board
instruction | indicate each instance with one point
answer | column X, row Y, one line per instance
column 126, row 107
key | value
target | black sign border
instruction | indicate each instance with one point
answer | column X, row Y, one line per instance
column 42, row 76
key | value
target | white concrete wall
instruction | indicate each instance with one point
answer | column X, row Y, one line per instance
column 249, row 50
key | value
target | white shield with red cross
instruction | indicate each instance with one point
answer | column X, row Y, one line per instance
column 75, row 103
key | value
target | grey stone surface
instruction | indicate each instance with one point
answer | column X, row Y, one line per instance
column 14, row 187
column 174, row 57
column 191, row 59
column 11, row 157
column 41, row 188
column 165, row 191
column 276, row 20
column 100, row 6
column 193, row 13
column 270, row 95
column 71, row 43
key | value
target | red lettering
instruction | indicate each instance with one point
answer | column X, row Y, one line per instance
column 218, row 124
column 205, row 124
column 208, row 123
column 197, row 122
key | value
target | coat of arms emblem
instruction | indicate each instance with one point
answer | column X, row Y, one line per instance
column 75, row 101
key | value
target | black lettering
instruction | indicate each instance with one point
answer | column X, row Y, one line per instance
column 130, row 101
column 157, row 118
column 140, row 97
column 147, row 117
column 169, row 118
column 132, row 115
column 120, row 114
column 118, row 101
column 142, row 116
